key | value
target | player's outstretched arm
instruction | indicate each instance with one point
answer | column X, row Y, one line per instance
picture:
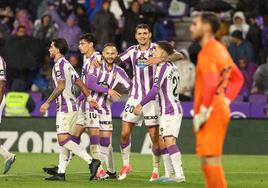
column 176, row 56
column 2, row 89
column 85, row 91
column 149, row 97
column 56, row 92
column 94, row 86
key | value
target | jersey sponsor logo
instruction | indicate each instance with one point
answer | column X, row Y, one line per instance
column 150, row 117
column 105, row 122
column 58, row 73
column 2, row 72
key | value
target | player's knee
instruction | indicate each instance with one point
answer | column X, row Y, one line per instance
column 211, row 160
column 125, row 136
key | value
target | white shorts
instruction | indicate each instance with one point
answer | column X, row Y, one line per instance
column 170, row 125
column 106, row 123
column 88, row 119
column 65, row 122
column 150, row 113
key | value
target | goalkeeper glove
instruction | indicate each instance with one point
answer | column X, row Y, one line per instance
column 201, row 117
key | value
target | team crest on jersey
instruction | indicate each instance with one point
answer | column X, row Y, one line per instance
column 58, row 73
column 156, row 80
column 141, row 63
column 2, row 72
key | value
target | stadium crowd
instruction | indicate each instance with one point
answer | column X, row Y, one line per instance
column 28, row 26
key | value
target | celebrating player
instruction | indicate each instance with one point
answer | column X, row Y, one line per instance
column 9, row 157
column 166, row 86
column 65, row 78
column 101, row 82
column 142, row 83
column 218, row 82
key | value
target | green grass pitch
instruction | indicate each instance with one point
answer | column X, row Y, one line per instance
column 242, row 171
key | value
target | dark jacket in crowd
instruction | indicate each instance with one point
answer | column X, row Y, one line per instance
column 104, row 25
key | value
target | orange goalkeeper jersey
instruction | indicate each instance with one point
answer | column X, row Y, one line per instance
column 216, row 76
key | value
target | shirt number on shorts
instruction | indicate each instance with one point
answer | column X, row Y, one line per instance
column 92, row 115
column 129, row 108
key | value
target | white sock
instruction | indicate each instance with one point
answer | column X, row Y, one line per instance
column 175, row 156
column 125, row 152
column 156, row 153
column 110, row 160
column 64, row 160
column 4, row 152
column 167, row 165
column 77, row 150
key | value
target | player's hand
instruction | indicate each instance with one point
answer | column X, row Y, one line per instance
column 200, row 118
column 94, row 104
column 96, row 63
column 137, row 109
column 114, row 94
column 43, row 108
column 154, row 60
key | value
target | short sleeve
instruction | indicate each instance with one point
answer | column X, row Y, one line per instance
column 59, row 71
column 2, row 69
column 160, row 75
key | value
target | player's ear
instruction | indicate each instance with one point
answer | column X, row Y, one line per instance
column 150, row 34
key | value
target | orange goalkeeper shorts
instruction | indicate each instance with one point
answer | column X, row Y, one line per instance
column 210, row 138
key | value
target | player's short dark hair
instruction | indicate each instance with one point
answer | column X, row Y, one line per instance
column 110, row 44
column 166, row 46
column 142, row 26
column 212, row 19
column 89, row 38
column 61, row 44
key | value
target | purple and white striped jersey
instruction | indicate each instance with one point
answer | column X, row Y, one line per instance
column 87, row 64
column 63, row 70
column 3, row 66
column 143, row 74
column 108, row 79
column 167, row 80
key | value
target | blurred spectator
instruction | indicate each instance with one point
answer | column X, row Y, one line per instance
column 41, row 81
column 239, row 23
column 193, row 50
column 83, row 21
column 18, row 102
column 266, row 111
column 104, row 25
column 187, row 77
column 263, row 52
column 6, row 20
column 22, row 18
column 224, row 25
column 254, row 35
column 247, row 69
column 132, row 17
column 23, row 54
column 44, row 29
column 260, row 83
column 240, row 47
column 76, row 62
column 68, row 30
column 226, row 40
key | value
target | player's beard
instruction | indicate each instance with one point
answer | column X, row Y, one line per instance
column 109, row 60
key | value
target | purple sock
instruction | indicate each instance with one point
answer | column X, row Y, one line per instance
column 173, row 149
column 124, row 145
column 65, row 141
column 95, row 140
column 164, row 151
column 156, row 152
column 105, row 141
column 76, row 139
